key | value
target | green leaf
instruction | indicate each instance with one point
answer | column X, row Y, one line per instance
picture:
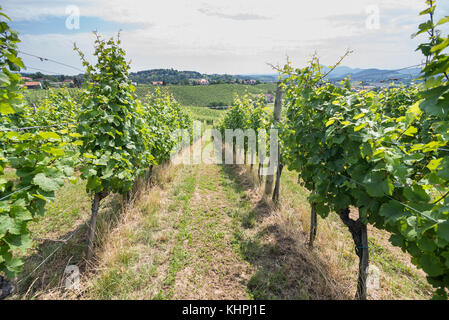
column 15, row 60
column 21, row 213
column 4, row 78
column 14, row 266
column 45, row 183
column 411, row 131
column 6, row 223
column 434, row 164
column 431, row 265
column 416, row 193
column 4, row 15
column 360, row 115
column 6, row 108
column 443, row 21
column 441, row 46
column 360, row 127
column 54, row 151
column 377, row 185
column 20, row 242
column 426, row 244
column 392, row 211
column 443, row 230
column 94, row 184
column 397, row 240
column 49, row 135
column 89, row 156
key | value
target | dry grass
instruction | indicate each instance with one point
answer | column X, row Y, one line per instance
column 275, row 243
column 329, row 270
column 132, row 257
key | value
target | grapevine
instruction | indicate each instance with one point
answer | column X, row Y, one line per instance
column 382, row 153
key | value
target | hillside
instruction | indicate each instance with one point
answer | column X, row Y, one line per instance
column 357, row 74
column 204, row 96
column 373, row 74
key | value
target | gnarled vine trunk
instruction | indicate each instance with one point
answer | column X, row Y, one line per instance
column 313, row 226
column 93, row 222
column 6, row 288
column 150, row 176
column 360, row 236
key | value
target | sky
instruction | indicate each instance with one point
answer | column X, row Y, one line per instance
column 222, row 36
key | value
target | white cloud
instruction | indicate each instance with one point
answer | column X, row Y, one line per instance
column 240, row 36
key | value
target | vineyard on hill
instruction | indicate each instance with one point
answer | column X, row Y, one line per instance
column 86, row 183
column 211, row 95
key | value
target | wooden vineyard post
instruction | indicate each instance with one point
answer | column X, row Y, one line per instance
column 277, row 185
column 234, row 153
column 313, row 226
column 277, row 117
column 150, row 176
column 245, row 157
column 223, row 151
column 259, row 172
column 252, row 161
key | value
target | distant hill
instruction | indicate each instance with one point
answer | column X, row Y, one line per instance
column 175, row 77
column 357, row 74
column 260, row 77
column 373, row 74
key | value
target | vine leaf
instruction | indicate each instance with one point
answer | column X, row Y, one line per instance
column 45, row 183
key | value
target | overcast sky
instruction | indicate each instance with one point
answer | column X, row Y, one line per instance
column 223, row 36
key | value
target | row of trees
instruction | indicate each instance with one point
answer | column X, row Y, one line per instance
column 175, row 77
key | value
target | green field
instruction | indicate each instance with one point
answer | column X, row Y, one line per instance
column 33, row 96
column 200, row 96
column 204, row 114
column 203, row 96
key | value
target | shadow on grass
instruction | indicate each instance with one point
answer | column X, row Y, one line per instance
column 44, row 269
column 286, row 268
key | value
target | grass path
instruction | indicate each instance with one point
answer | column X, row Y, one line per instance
column 215, row 270
column 183, row 247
